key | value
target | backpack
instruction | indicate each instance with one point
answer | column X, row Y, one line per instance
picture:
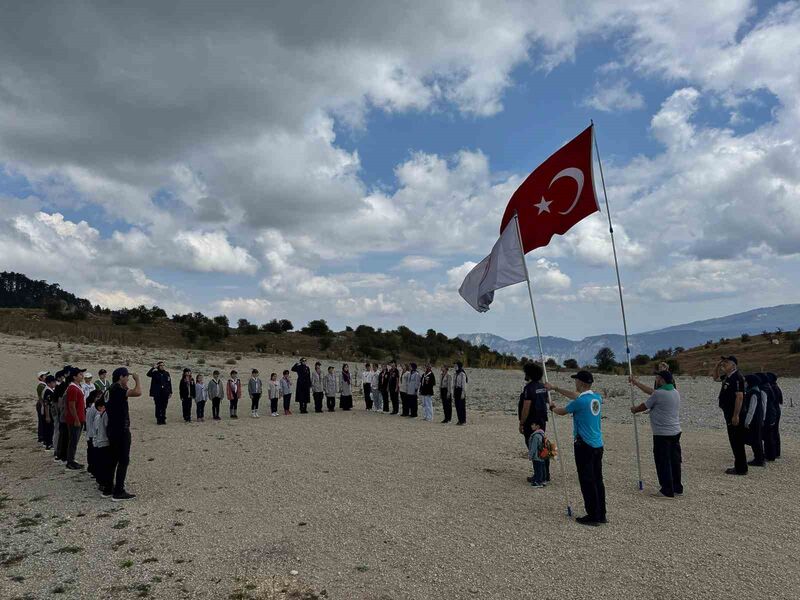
column 548, row 450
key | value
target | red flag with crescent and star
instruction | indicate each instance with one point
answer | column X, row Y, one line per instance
column 558, row 194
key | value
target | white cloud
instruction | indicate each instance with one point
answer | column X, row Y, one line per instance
column 708, row 279
column 417, row 263
column 614, row 96
column 256, row 309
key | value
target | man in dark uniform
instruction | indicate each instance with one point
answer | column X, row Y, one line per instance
column 119, row 431
column 303, row 391
column 394, row 387
column 731, row 401
column 160, row 390
column 533, row 406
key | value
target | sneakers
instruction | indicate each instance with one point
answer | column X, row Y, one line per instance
column 587, row 520
column 537, row 485
column 275, row 414
column 122, row 496
column 105, row 494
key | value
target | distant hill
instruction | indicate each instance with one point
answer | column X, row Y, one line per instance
column 785, row 317
column 19, row 291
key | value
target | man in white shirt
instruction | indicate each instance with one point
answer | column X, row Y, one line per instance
column 366, row 381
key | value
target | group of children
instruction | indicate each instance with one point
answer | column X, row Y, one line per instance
column 383, row 389
column 69, row 402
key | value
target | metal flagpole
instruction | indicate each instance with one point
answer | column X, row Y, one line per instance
column 622, row 306
column 544, row 368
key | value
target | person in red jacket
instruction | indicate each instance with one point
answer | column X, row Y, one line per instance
column 76, row 415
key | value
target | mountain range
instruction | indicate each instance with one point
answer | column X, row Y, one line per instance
column 785, row 317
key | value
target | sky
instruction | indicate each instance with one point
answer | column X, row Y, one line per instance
column 351, row 161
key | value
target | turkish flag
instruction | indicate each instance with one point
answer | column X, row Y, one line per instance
column 558, row 194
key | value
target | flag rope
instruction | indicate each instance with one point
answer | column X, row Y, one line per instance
column 544, row 368
column 622, row 306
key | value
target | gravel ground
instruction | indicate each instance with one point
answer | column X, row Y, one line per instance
column 369, row 506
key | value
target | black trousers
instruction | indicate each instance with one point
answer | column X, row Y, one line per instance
column 318, row 396
column 331, row 402
column 47, row 437
column 413, row 405
column 755, row 439
column 63, row 441
column 161, row 403
column 39, row 423
column 737, row 437
column 90, row 462
column 368, row 395
column 394, row 396
column 667, row 455
column 74, row 434
column 404, row 403
column 345, row 402
column 447, row 404
column 254, row 401
column 461, row 405
column 287, row 401
column 385, row 396
column 273, row 405
column 120, row 458
column 186, row 406
column 102, row 460
column 233, row 405
column 589, row 462
column 201, row 409
column 215, row 407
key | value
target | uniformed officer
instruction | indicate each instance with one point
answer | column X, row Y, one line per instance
column 160, row 390
column 731, row 401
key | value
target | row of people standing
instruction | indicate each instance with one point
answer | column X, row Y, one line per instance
column 388, row 389
column 406, row 386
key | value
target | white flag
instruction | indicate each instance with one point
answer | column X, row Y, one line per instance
column 503, row 267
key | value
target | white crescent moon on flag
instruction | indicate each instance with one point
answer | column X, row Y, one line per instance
column 577, row 175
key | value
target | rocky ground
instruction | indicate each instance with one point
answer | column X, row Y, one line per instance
column 369, row 506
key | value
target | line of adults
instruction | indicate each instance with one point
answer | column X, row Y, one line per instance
column 389, row 389
column 751, row 407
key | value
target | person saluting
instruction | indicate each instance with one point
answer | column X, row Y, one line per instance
column 160, row 390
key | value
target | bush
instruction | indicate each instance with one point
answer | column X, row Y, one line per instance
column 571, row 363
column 325, row 342
column 745, row 338
column 641, row 360
column 794, row 347
column 286, row 325
column 120, row 317
column 222, row 321
column 273, row 326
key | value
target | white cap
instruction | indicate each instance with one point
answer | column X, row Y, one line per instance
column 40, row 373
column 87, row 375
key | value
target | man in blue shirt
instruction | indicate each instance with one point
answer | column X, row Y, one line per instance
column 585, row 410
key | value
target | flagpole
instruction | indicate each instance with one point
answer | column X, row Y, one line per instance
column 544, row 368
column 622, row 306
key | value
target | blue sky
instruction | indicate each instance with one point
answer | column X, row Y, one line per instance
column 324, row 164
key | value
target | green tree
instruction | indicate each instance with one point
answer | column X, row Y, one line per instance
column 571, row 363
column 317, row 328
column 605, row 359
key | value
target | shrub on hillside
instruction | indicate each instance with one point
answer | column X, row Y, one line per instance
column 571, row 363
column 641, row 360
column 317, row 328
column 745, row 338
column 794, row 347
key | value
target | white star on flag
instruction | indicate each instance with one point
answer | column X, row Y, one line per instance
column 543, row 206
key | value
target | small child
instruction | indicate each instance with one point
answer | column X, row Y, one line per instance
column 537, row 448
column 200, row 398
column 254, row 389
column 329, row 385
column 102, row 451
column 91, row 411
column 286, row 392
column 273, row 392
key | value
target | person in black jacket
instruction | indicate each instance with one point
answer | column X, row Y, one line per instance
column 754, row 412
column 533, row 406
column 303, row 389
column 119, row 431
column 772, row 419
column 426, row 387
column 160, row 390
column 187, row 392
column 731, row 401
